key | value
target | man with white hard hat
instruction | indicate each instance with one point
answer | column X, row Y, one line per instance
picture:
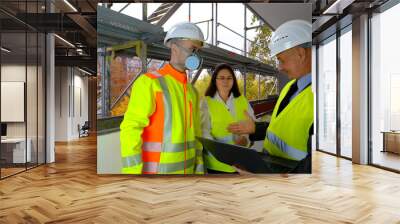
column 161, row 122
column 289, row 131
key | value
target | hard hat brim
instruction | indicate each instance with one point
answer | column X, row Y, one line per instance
column 203, row 44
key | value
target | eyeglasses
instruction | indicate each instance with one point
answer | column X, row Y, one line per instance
column 225, row 78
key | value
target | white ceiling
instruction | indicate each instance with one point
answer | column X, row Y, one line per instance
column 274, row 14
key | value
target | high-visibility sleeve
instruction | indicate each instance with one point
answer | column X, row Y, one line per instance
column 141, row 107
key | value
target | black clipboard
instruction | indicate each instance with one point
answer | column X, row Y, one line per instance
column 249, row 159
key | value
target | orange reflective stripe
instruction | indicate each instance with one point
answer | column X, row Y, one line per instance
column 154, row 132
column 157, row 135
column 151, row 156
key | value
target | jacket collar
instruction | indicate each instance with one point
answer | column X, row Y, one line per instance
column 180, row 76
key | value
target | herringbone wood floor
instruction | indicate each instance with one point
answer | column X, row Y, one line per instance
column 70, row 191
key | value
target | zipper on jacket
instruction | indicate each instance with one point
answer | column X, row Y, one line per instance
column 185, row 127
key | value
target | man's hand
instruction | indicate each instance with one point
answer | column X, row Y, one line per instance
column 243, row 127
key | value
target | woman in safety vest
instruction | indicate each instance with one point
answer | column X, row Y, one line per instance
column 222, row 105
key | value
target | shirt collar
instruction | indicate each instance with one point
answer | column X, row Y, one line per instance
column 180, row 76
column 304, row 81
column 218, row 97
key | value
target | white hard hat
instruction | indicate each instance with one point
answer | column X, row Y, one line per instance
column 185, row 30
column 290, row 34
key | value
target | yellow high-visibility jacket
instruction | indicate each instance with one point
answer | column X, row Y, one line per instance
column 159, row 127
column 220, row 118
column 288, row 133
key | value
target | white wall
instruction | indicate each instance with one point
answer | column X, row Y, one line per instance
column 80, row 100
column 16, row 73
column 11, row 73
column 71, row 94
column 33, row 126
column 61, row 103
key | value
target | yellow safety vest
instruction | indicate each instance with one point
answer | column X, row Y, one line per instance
column 159, row 127
column 220, row 118
column 287, row 134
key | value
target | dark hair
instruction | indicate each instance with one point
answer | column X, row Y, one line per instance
column 212, row 88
